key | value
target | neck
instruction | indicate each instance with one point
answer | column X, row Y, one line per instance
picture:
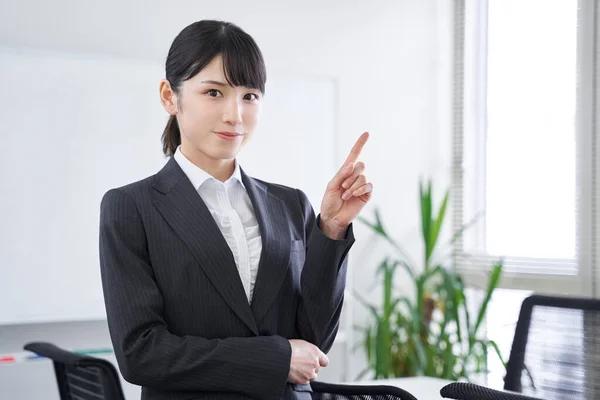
column 218, row 169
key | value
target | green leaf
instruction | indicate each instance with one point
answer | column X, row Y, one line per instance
column 463, row 299
column 378, row 228
column 409, row 305
column 425, row 199
column 387, row 289
column 411, row 272
column 497, row 350
column 381, row 268
column 436, row 227
column 457, row 235
column 460, row 301
column 460, row 231
column 421, row 356
column 492, row 285
column 449, row 360
column 413, row 323
column 382, row 349
column 368, row 343
column 378, row 217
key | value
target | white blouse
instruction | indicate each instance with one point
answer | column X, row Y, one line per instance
column 232, row 210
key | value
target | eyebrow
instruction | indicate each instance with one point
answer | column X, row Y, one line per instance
column 215, row 83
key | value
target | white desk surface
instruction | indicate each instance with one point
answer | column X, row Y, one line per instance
column 422, row 387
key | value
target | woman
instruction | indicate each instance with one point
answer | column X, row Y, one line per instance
column 219, row 285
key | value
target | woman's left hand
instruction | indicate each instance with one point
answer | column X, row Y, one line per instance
column 346, row 194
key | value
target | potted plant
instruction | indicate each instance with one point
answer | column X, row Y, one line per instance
column 435, row 332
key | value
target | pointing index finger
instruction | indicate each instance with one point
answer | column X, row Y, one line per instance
column 357, row 148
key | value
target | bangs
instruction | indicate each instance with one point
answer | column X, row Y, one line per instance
column 243, row 64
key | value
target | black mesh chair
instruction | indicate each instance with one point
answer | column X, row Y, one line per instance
column 470, row 391
column 556, row 349
column 80, row 377
column 330, row 391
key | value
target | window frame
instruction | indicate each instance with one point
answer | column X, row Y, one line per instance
column 558, row 276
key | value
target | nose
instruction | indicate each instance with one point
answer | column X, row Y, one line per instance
column 232, row 114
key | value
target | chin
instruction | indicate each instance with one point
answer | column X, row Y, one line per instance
column 224, row 155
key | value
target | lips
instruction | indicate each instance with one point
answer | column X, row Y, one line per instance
column 229, row 135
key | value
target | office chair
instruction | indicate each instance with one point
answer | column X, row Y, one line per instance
column 556, row 349
column 470, row 391
column 330, row 391
column 80, row 377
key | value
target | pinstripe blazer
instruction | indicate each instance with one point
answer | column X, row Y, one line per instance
column 179, row 319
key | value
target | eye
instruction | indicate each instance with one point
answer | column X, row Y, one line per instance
column 213, row 93
column 251, row 97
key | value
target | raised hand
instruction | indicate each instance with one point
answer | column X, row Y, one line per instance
column 347, row 193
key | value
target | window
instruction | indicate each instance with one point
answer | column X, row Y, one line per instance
column 525, row 142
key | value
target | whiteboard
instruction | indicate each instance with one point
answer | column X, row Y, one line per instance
column 75, row 126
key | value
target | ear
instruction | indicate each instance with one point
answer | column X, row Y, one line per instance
column 168, row 98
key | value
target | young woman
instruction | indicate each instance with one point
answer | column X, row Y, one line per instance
column 219, row 285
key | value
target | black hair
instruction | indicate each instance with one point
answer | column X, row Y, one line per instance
column 196, row 46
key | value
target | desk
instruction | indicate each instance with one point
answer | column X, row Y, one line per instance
column 422, row 387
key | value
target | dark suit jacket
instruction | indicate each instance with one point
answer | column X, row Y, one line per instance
column 179, row 319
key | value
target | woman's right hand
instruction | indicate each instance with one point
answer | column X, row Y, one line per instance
column 306, row 361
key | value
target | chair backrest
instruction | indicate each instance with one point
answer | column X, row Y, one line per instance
column 556, row 349
column 471, row 391
column 330, row 391
column 80, row 377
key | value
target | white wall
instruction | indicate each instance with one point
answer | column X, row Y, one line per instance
column 390, row 57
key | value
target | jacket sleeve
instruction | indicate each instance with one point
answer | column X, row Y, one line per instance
column 323, row 281
column 147, row 353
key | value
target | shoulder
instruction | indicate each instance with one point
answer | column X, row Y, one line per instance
column 131, row 194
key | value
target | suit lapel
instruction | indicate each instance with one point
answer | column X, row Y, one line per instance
column 183, row 208
column 276, row 242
